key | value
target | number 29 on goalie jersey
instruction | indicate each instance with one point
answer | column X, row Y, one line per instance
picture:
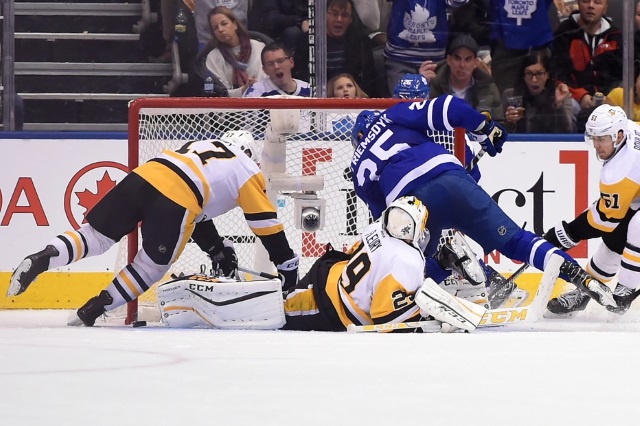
column 377, row 284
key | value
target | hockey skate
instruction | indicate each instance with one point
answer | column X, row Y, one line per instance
column 95, row 307
column 29, row 269
column 588, row 284
column 623, row 296
column 567, row 304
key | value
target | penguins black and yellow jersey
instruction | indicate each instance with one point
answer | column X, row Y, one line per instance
column 375, row 284
column 209, row 178
column 619, row 188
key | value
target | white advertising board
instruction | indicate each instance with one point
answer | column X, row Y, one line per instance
column 46, row 187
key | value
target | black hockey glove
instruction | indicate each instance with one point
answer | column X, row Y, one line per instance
column 560, row 236
column 223, row 258
column 491, row 137
column 288, row 272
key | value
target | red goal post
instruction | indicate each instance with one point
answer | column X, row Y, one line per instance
column 314, row 136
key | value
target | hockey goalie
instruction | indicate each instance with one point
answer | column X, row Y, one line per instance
column 378, row 281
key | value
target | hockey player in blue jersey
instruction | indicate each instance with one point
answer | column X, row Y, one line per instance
column 416, row 86
column 395, row 157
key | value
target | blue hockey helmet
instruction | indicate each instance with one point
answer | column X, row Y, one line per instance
column 412, row 86
column 365, row 119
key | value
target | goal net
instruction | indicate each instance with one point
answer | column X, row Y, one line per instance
column 301, row 138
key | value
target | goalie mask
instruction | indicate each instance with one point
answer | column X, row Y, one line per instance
column 405, row 219
column 364, row 121
column 606, row 120
column 412, row 86
column 242, row 140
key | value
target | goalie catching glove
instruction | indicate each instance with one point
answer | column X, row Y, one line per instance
column 560, row 236
column 456, row 255
column 491, row 136
column 288, row 272
column 224, row 260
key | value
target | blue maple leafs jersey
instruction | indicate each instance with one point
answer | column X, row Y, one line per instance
column 396, row 154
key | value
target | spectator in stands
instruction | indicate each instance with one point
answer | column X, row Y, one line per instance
column 344, row 86
column 168, row 11
column 348, row 49
column 283, row 20
column 277, row 64
column 473, row 19
column 461, row 77
column 201, row 13
column 235, row 57
column 616, row 96
column 518, row 28
column 417, row 32
column 587, row 52
column 547, row 105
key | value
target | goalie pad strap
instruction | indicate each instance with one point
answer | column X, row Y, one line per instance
column 447, row 308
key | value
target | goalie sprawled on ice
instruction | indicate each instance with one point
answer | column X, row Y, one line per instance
column 379, row 281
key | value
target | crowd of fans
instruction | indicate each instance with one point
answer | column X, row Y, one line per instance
column 537, row 66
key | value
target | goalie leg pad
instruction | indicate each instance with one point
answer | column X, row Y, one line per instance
column 459, row 287
column 444, row 307
column 202, row 301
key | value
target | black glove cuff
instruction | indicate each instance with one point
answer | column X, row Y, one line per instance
column 217, row 246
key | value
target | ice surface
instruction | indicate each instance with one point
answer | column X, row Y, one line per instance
column 582, row 371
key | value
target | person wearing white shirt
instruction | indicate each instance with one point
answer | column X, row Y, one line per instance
column 277, row 64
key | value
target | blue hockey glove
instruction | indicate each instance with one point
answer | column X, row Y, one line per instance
column 492, row 137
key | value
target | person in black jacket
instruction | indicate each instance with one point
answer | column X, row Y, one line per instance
column 283, row 20
column 547, row 105
column 348, row 49
column 587, row 52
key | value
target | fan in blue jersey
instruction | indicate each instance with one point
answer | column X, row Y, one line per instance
column 394, row 157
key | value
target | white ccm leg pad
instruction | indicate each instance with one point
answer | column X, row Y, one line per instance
column 457, row 286
column 449, row 309
column 208, row 302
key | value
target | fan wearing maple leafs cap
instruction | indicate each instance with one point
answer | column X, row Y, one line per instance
column 173, row 197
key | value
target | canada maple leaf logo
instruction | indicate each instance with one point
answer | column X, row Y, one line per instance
column 88, row 199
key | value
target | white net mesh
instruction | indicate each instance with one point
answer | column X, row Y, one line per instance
column 320, row 145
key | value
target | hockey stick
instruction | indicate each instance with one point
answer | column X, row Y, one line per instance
column 518, row 272
column 426, row 325
column 474, row 162
column 259, row 274
column 493, row 317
